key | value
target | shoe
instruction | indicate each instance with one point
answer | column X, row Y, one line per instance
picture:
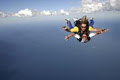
column 66, row 20
column 75, row 19
column 91, row 18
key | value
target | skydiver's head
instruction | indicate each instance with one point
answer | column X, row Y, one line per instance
column 84, row 24
column 83, row 27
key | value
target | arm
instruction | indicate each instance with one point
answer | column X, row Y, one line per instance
column 68, row 36
column 96, row 29
column 66, row 29
column 97, row 33
column 75, row 29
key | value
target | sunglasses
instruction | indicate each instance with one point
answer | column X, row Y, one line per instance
column 83, row 27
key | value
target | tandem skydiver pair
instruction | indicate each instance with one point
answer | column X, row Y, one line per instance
column 83, row 29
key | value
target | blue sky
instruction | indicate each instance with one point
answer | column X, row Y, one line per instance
column 16, row 5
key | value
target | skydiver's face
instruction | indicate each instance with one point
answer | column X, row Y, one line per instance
column 83, row 27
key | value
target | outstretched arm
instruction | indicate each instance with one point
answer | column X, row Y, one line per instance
column 97, row 33
column 68, row 36
column 97, row 30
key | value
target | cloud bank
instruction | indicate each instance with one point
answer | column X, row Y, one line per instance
column 29, row 13
column 89, row 6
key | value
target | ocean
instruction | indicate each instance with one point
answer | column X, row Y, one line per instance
column 35, row 49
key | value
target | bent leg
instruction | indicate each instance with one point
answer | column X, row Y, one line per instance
column 69, row 24
column 91, row 23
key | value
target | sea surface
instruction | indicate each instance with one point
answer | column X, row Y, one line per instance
column 36, row 50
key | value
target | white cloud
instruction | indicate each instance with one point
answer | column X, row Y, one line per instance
column 63, row 12
column 98, row 5
column 2, row 14
column 46, row 13
column 92, row 6
column 24, row 13
column 36, row 13
column 115, row 4
column 55, row 13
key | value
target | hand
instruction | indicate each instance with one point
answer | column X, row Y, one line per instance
column 105, row 30
column 64, row 28
column 66, row 38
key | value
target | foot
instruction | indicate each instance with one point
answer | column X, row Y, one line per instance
column 75, row 19
column 66, row 20
column 91, row 18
